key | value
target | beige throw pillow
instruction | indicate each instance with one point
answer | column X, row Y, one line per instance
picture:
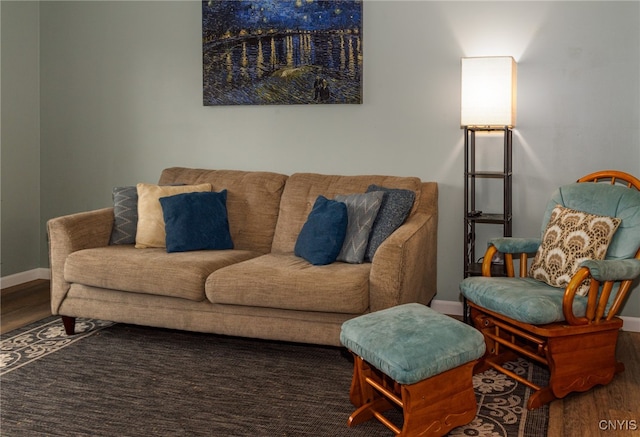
column 570, row 238
column 150, row 231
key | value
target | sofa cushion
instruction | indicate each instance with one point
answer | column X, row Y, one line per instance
column 524, row 299
column 302, row 189
column 362, row 210
column 286, row 281
column 253, row 200
column 150, row 231
column 323, row 233
column 196, row 221
column 607, row 200
column 150, row 271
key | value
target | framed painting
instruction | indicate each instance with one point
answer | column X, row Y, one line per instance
column 281, row 52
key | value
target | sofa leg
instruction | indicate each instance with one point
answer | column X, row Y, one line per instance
column 69, row 324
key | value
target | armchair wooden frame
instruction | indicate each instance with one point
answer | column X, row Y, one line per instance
column 580, row 351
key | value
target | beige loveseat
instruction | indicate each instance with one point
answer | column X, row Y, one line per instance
column 257, row 289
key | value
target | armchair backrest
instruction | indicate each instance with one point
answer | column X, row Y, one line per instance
column 604, row 199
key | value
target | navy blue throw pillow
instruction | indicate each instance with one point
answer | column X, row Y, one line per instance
column 322, row 236
column 196, row 221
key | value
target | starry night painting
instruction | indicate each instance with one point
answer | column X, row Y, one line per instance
column 281, row 52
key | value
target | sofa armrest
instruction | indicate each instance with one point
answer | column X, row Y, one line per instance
column 69, row 234
column 404, row 268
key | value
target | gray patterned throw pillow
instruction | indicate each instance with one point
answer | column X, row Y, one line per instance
column 393, row 212
column 125, row 212
column 362, row 210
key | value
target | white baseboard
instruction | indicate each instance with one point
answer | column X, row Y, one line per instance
column 631, row 324
column 447, row 307
column 22, row 277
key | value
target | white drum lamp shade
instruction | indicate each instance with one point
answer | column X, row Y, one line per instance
column 488, row 91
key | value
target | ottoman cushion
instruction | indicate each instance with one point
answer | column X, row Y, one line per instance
column 412, row 342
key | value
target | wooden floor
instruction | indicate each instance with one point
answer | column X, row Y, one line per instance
column 24, row 304
column 605, row 411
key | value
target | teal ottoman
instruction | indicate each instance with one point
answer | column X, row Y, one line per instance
column 415, row 358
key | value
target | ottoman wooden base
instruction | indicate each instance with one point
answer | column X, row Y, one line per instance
column 431, row 407
column 415, row 359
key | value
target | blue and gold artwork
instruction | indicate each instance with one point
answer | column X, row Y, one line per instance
column 281, row 52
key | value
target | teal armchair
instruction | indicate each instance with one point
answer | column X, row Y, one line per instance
column 562, row 309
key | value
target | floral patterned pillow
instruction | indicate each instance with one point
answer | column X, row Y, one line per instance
column 570, row 238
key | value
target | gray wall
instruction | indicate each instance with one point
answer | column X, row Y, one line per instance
column 20, row 233
column 121, row 99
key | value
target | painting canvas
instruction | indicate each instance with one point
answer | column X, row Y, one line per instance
column 282, row 52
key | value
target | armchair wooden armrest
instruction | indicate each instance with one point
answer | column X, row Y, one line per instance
column 605, row 274
column 509, row 246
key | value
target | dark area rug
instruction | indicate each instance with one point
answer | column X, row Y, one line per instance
column 125, row 380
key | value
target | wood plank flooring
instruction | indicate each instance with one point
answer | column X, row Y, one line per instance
column 608, row 410
column 24, row 304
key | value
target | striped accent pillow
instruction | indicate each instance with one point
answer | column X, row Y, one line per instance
column 362, row 210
